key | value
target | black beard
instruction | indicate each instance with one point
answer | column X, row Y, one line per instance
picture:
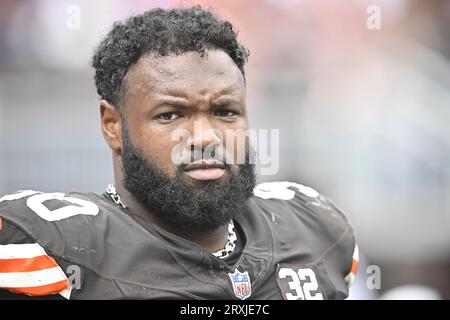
column 194, row 208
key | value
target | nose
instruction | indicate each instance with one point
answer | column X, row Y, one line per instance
column 203, row 140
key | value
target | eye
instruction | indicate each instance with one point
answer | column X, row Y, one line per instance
column 225, row 113
column 168, row 116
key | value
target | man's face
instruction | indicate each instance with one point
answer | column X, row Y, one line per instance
column 202, row 100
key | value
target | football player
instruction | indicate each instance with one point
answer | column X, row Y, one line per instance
column 169, row 229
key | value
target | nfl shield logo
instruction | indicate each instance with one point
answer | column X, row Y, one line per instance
column 241, row 284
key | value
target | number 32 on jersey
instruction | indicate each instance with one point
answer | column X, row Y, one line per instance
column 298, row 283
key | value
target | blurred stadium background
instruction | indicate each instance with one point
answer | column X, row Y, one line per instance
column 364, row 114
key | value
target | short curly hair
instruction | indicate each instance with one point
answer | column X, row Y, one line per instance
column 164, row 32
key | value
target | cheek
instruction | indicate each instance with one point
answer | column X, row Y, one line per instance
column 236, row 145
column 157, row 146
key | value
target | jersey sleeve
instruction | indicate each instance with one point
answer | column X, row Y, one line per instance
column 349, row 251
column 328, row 232
column 345, row 254
column 350, row 278
column 26, row 269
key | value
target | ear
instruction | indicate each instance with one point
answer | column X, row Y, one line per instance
column 111, row 125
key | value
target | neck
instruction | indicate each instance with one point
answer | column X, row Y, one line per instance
column 211, row 241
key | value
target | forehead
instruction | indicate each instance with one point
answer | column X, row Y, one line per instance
column 184, row 74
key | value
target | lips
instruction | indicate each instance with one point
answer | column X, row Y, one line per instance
column 204, row 170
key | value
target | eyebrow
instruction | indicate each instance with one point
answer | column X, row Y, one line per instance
column 175, row 103
column 180, row 104
column 222, row 102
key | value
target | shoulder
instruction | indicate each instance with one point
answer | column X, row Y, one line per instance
column 62, row 222
column 296, row 201
column 51, row 217
column 37, row 230
column 296, row 212
column 26, row 268
column 300, row 216
column 29, row 206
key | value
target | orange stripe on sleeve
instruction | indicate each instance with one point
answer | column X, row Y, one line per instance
column 354, row 266
column 48, row 289
column 27, row 264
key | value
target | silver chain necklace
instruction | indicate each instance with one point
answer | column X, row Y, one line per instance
column 111, row 190
column 222, row 254
column 230, row 245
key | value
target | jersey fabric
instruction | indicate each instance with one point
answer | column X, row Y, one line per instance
column 293, row 244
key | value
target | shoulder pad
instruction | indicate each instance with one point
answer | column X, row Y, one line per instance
column 283, row 190
column 300, row 198
column 29, row 222
column 25, row 267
